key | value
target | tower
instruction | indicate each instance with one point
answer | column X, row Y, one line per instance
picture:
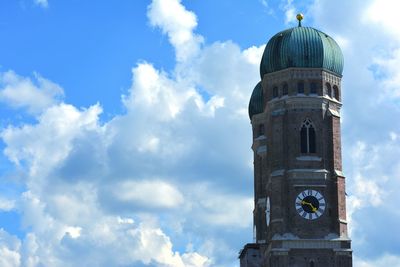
column 299, row 187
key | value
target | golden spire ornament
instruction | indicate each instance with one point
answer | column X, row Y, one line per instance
column 299, row 17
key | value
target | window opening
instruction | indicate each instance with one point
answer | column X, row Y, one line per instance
column 300, row 88
column 285, row 89
column 336, row 92
column 275, row 92
column 313, row 88
column 261, row 129
column 328, row 90
column 307, row 137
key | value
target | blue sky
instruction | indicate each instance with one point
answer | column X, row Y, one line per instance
column 125, row 137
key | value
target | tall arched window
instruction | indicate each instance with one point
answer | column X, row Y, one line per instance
column 336, row 92
column 328, row 89
column 307, row 137
column 285, row 88
column 312, row 264
column 261, row 129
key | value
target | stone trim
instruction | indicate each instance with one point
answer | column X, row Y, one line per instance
column 334, row 112
column 311, row 244
column 309, row 158
column 343, row 252
column 314, row 174
column 339, row 173
column 278, row 220
column 262, row 150
column 309, row 185
column 302, row 73
column 277, row 173
column 279, row 252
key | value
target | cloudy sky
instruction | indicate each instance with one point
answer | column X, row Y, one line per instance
column 125, row 137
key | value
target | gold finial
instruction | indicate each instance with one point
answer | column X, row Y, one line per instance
column 300, row 17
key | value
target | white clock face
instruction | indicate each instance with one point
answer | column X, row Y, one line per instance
column 310, row 204
column 268, row 212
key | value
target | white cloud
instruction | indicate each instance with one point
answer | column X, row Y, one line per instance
column 153, row 90
column 290, row 12
column 34, row 96
column 384, row 13
column 107, row 239
column 387, row 66
column 383, row 261
column 42, row 3
column 6, row 204
column 221, row 209
column 178, row 23
column 9, row 250
column 57, row 127
column 150, row 194
column 73, row 231
column 83, row 208
column 393, row 136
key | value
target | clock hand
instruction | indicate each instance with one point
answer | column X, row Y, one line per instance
column 314, row 209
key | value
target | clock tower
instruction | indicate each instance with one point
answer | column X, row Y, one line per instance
column 299, row 187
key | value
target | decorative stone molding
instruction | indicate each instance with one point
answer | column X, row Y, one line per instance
column 260, row 145
column 311, row 244
column 315, row 174
column 302, row 73
column 309, row 158
column 277, row 173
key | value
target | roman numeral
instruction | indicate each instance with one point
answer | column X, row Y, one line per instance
column 300, row 210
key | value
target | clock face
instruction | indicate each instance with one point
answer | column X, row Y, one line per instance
column 310, row 204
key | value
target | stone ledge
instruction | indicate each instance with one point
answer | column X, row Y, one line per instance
column 308, row 174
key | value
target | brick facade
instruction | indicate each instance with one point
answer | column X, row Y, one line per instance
column 282, row 171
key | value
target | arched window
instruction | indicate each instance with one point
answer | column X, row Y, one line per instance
column 261, row 129
column 328, row 89
column 313, row 88
column 275, row 92
column 300, row 87
column 312, row 264
column 336, row 92
column 285, row 89
column 307, row 137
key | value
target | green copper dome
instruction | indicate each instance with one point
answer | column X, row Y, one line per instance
column 301, row 47
column 256, row 104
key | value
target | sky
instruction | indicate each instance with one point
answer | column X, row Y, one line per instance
column 125, row 136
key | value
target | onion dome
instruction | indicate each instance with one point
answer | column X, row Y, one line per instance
column 256, row 104
column 301, row 47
